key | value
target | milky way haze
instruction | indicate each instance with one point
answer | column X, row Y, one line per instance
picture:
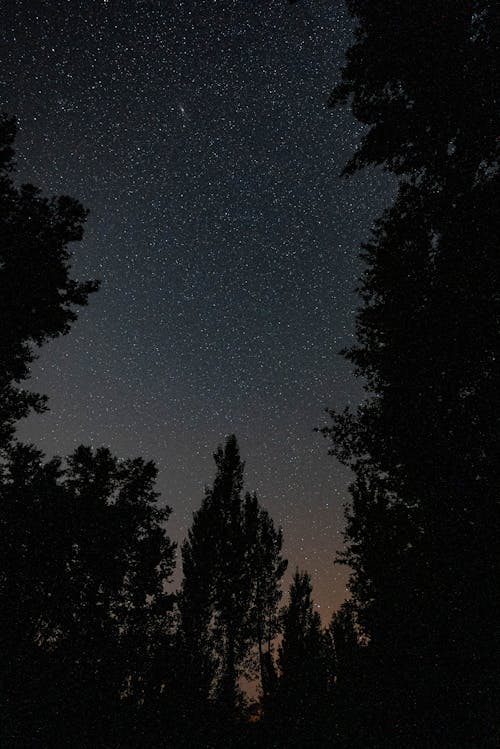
column 197, row 133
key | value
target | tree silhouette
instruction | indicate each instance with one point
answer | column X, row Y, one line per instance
column 37, row 293
column 84, row 562
column 306, row 671
column 267, row 567
column 197, row 663
column 232, row 567
column 84, row 557
column 123, row 563
column 424, row 520
column 350, row 670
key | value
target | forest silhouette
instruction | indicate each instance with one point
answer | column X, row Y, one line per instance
column 95, row 648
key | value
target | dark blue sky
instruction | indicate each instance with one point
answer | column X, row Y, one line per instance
column 197, row 133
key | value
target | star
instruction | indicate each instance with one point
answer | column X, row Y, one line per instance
column 200, row 141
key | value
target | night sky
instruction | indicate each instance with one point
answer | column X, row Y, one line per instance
column 197, row 133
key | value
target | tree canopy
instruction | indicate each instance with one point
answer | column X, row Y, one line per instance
column 424, row 519
column 232, row 568
column 84, row 563
column 38, row 296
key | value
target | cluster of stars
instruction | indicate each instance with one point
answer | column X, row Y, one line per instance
column 197, row 134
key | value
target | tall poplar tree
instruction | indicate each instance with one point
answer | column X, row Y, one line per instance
column 230, row 592
column 424, row 520
column 267, row 568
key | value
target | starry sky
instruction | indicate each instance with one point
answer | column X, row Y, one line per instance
column 197, row 134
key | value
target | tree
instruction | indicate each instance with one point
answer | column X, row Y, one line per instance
column 350, row 669
column 424, row 521
column 230, row 592
column 84, row 557
column 267, row 568
column 197, row 664
column 306, row 670
column 84, row 562
column 37, row 293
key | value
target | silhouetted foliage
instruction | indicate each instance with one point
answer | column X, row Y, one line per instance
column 84, row 562
column 304, row 697
column 424, row 521
column 230, row 592
column 84, row 558
column 424, row 78
column 37, row 293
column 267, row 567
column 350, row 669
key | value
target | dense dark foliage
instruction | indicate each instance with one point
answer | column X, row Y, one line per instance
column 37, row 293
column 424, row 521
column 304, row 697
column 228, row 604
column 84, row 558
column 84, row 563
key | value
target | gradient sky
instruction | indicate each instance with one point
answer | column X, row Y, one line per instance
column 197, row 133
